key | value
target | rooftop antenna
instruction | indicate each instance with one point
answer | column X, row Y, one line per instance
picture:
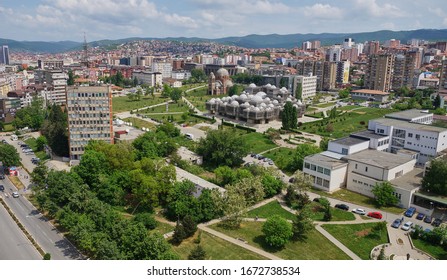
column 85, row 53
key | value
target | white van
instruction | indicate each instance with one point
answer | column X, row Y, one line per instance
column 14, row 137
column 189, row 136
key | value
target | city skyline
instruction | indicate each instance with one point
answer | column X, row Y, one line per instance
column 56, row 20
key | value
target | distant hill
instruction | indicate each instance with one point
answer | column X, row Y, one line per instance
column 249, row 41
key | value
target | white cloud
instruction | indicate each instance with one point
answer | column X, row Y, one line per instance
column 323, row 11
column 372, row 8
column 247, row 6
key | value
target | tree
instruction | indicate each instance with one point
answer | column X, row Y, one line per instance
column 41, row 141
column 300, row 153
column 272, row 185
column 2, row 126
column 384, row 194
column 324, row 143
column 179, row 234
column 289, row 117
column 176, row 94
column 344, row 93
column 70, row 80
column 296, row 196
column 437, row 101
column 326, row 208
column 55, row 130
column 9, row 156
column 434, row 180
column 277, row 231
column 222, row 147
column 198, row 75
column 250, row 189
column 233, row 90
column 166, row 91
column 302, row 224
column 225, row 175
column 47, row 257
column 146, row 219
column 197, row 253
column 189, row 225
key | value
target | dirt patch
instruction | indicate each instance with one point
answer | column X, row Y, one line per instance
column 400, row 241
column 362, row 233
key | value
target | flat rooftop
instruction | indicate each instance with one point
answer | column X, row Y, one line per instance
column 368, row 134
column 409, row 181
column 405, row 124
column 323, row 160
column 349, row 141
column 409, row 114
column 370, row 91
column 379, row 159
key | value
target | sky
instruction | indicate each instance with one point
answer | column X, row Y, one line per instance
column 59, row 20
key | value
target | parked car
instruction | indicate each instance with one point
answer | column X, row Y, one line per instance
column 359, row 211
column 410, row 212
column 15, row 194
column 420, row 216
column 396, row 223
column 428, row 219
column 437, row 222
column 2, row 188
column 342, row 206
column 2, row 176
column 376, row 215
column 407, row 226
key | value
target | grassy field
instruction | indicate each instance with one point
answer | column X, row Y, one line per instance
column 349, row 107
column 337, row 214
column 348, row 123
column 163, row 228
column 8, row 127
column 33, row 145
column 315, row 247
column 435, row 251
column 123, row 103
column 16, row 181
column 180, row 106
column 355, row 237
column 215, row 248
column 357, row 198
column 257, row 142
column 270, row 209
column 324, row 105
column 198, row 97
column 139, row 123
column 281, row 157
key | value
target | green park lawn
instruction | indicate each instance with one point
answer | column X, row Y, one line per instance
column 180, row 106
column 324, row 105
column 356, row 198
column 348, row 123
column 215, row 248
column 270, row 209
column 355, row 237
column 257, row 142
column 123, row 103
column 337, row 214
column 315, row 247
column 139, row 123
column 438, row 252
column 163, row 228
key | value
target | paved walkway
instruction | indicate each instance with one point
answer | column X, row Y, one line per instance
column 183, row 174
column 337, row 243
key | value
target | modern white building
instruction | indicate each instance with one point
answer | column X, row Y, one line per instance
column 181, row 75
column 307, row 85
column 148, row 78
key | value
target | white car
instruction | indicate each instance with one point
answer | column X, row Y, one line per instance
column 359, row 211
column 407, row 226
column 15, row 194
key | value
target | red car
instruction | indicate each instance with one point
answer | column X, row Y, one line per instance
column 376, row 215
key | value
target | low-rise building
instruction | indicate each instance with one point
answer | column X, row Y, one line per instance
column 370, row 95
column 152, row 79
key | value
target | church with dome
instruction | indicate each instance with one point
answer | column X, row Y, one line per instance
column 219, row 83
column 255, row 105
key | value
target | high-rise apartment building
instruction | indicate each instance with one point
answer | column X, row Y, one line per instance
column 379, row 72
column 306, row 45
column 342, row 76
column 89, row 117
column 372, row 47
column 335, row 53
column 404, row 70
column 165, row 68
column 55, row 82
column 4, row 55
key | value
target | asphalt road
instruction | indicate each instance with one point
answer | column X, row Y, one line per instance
column 45, row 234
column 13, row 243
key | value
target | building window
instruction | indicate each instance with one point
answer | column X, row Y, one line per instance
column 344, row 151
column 410, row 135
column 307, row 165
column 366, row 168
column 327, row 172
column 356, row 165
column 319, row 181
column 320, row 169
column 326, row 183
column 313, row 167
column 380, row 131
column 418, row 137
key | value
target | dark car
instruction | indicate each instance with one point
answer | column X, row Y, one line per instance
column 2, row 176
column 396, row 223
column 437, row 222
column 2, row 188
column 342, row 206
column 428, row 219
column 410, row 212
column 420, row 216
